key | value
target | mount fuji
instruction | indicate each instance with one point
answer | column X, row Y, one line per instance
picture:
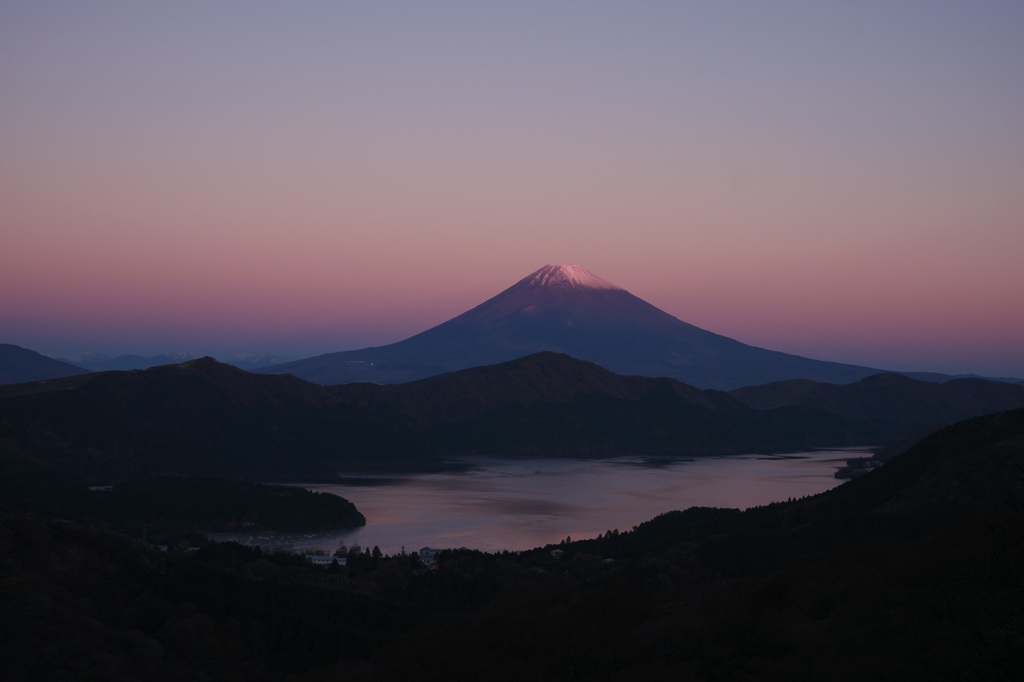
column 565, row 308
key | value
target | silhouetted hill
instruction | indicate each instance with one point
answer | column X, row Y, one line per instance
column 964, row 470
column 84, row 603
column 970, row 468
column 565, row 309
column 892, row 404
column 550, row 404
column 253, row 361
column 541, row 378
column 19, row 365
column 172, row 506
column 532, row 404
column 199, row 417
column 206, row 418
column 97, row 362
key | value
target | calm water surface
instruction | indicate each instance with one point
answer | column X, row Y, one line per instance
column 496, row 504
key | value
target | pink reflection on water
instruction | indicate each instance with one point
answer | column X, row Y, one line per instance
column 512, row 504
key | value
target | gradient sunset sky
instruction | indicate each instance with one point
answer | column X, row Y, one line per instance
column 841, row 180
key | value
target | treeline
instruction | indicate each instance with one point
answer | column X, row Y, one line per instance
column 89, row 604
column 943, row 607
column 220, row 504
column 946, row 607
column 172, row 509
column 205, row 418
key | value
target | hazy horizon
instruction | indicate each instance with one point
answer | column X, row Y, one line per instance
column 229, row 354
column 837, row 181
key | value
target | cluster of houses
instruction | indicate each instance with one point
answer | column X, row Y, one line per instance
column 426, row 555
column 324, row 560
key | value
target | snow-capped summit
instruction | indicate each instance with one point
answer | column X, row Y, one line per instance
column 567, row 275
column 564, row 308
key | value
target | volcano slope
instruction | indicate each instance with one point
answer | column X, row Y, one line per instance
column 566, row 309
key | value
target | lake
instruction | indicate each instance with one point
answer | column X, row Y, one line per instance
column 496, row 504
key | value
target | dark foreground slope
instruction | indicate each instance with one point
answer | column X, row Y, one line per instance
column 205, row 418
column 965, row 470
column 690, row 595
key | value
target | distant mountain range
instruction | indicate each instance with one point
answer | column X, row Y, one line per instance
column 559, row 308
column 564, row 308
column 19, row 364
column 96, row 362
column 204, row 417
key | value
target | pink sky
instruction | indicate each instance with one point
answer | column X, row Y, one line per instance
column 842, row 182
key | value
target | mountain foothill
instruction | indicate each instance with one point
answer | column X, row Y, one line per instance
column 207, row 418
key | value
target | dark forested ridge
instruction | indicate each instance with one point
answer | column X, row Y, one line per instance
column 199, row 417
column 909, row 572
column 177, row 506
column 206, row 418
column 890, row 404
